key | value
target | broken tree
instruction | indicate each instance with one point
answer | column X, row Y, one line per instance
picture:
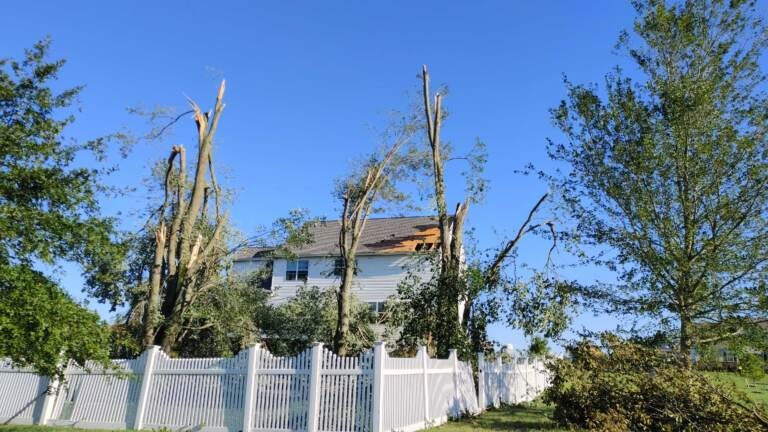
column 188, row 238
column 358, row 193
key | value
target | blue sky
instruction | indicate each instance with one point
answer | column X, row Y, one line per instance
column 308, row 81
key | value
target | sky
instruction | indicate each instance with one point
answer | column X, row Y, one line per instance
column 309, row 83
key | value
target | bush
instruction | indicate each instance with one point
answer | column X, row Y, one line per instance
column 621, row 386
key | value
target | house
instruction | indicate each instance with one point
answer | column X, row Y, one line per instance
column 720, row 355
column 389, row 249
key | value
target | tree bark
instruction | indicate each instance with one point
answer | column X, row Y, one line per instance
column 153, row 299
column 343, row 304
column 686, row 340
column 434, row 122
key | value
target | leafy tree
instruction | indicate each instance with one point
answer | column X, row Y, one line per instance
column 49, row 213
column 311, row 316
column 667, row 175
column 538, row 346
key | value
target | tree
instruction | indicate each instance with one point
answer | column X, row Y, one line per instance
column 311, row 316
column 49, row 213
column 458, row 320
column 189, row 243
column 450, row 295
column 374, row 181
column 538, row 347
column 667, row 176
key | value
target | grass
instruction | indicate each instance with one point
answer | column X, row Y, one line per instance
column 755, row 389
column 32, row 428
column 529, row 417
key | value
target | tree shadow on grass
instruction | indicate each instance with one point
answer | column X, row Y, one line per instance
column 530, row 417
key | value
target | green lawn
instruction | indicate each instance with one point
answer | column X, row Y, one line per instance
column 757, row 390
column 28, row 428
column 531, row 417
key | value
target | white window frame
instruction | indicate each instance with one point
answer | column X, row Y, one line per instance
column 294, row 270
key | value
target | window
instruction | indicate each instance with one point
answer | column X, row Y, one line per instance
column 377, row 308
column 297, row 270
column 338, row 267
column 265, row 276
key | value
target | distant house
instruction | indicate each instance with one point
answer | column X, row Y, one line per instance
column 389, row 249
column 728, row 359
column 719, row 355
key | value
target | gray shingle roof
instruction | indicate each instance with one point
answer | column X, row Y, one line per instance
column 246, row 253
column 381, row 236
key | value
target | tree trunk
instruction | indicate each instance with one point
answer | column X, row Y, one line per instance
column 686, row 340
column 343, row 300
column 153, row 299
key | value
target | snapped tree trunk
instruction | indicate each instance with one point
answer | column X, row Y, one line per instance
column 343, row 300
column 358, row 195
column 153, row 300
column 180, row 243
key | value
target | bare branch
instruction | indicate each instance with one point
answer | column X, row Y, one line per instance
column 492, row 272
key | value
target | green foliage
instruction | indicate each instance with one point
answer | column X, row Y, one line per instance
column 538, row 346
column 42, row 327
column 669, row 173
column 540, row 305
column 621, row 386
column 751, row 366
column 49, row 213
column 221, row 320
column 310, row 316
column 425, row 312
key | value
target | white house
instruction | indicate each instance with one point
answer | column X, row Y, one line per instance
column 389, row 249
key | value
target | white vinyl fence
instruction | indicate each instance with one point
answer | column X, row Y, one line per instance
column 520, row 380
column 256, row 391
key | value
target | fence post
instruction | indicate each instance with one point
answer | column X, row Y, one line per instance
column 499, row 382
column 378, row 386
column 49, row 400
column 481, row 380
column 146, row 381
column 528, row 380
column 456, row 391
column 314, row 387
column 425, row 366
column 516, row 379
column 254, row 353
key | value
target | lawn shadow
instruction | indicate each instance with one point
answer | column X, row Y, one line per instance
column 524, row 417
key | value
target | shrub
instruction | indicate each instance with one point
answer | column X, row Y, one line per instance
column 621, row 386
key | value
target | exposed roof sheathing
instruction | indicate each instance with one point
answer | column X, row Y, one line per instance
column 380, row 236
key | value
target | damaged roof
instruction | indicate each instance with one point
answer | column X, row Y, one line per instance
column 381, row 236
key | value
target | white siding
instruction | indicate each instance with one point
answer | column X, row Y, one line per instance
column 249, row 266
column 377, row 277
